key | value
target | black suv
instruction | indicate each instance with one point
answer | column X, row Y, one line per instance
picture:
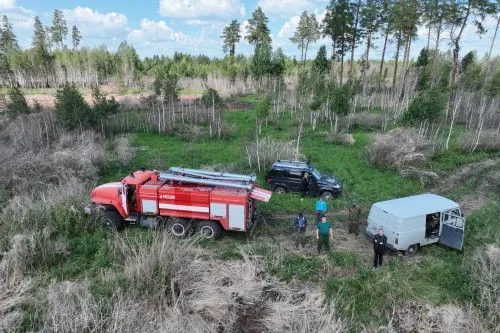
column 293, row 176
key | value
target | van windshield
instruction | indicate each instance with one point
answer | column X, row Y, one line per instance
column 315, row 173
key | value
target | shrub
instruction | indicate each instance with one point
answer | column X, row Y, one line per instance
column 400, row 148
column 428, row 105
column 102, row 107
column 340, row 99
column 266, row 151
column 367, row 121
column 71, row 109
column 211, row 98
column 488, row 141
column 484, row 266
column 17, row 103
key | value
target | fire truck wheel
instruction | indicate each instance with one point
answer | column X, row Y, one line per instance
column 179, row 228
column 209, row 229
column 113, row 220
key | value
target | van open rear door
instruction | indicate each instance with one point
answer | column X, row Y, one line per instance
column 452, row 229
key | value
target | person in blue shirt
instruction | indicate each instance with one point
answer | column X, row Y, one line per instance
column 300, row 230
column 320, row 208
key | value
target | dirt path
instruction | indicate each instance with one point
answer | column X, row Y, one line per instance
column 476, row 183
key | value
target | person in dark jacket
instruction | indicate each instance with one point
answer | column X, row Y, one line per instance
column 379, row 243
column 300, row 230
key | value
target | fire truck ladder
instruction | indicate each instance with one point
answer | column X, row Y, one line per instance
column 212, row 174
column 209, row 178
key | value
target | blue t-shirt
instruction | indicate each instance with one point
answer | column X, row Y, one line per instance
column 321, row 206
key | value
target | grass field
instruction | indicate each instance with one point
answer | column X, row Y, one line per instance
column 364, row 297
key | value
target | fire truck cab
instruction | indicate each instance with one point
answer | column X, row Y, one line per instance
column 181, row 200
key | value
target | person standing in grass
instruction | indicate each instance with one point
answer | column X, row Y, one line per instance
column 323, row 234
column 300, row 230
column 320, row 208
column 379, row 243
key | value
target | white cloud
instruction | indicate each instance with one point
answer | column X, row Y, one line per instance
column 96, row 24
column 155, row 31
column 285, row 8
column 7, row 4
column 288, row 29
column 192, row 9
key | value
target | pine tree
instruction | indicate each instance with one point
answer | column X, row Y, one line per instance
column 338, row 25
column 59, row 29
column 258, row 31
column 231, row 36
column 371, row 23
column 8, row 41
column 39, row 43
column 299, row 37
column 76, row 37
column 320, row 64
column 461, row 13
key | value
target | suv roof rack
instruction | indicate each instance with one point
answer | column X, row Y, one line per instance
column 290, row 164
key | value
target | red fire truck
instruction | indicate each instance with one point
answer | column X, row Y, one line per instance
column 181, row 200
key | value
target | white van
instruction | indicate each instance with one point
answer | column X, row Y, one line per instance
column 419, row 220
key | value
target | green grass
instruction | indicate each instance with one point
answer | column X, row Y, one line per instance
column 436, row 276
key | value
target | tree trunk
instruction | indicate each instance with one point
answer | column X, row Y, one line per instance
column 353, row 41
column 428, row 36
column 434, row 56
column 494, row 37
column 332, row 69
column 342, row 65
column 305, row 53
column 383, row 56
column 368, row 45
column 396, row 58
column 406, row 60
column 456, row 43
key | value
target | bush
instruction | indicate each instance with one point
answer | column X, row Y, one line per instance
column 488, row 141
column 266, row 151
column 211, row 98
column 340, row 99
column 102, row 107
column 400, row 148
column 70, row 107
column 17, row 103
column 428, row 105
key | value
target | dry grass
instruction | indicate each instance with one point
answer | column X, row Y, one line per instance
column 419, row 317
column 70, row 307
column 14, row 290
column 263, row 152
column 400, row 148
column 488, row 141
column 124, row 152
column 71, row 155
column 485, row 268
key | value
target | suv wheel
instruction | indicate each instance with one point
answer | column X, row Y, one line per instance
column 326, row 195
column 279, row 189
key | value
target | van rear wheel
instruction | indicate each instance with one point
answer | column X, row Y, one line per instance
column 411, row 250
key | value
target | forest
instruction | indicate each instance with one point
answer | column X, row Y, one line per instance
column 388, row 126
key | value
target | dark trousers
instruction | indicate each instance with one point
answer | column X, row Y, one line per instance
column 318, row 215
column 324, row 242
column 300, row 238
column 377, row 258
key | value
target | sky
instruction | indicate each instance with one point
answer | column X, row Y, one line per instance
column 194, row 26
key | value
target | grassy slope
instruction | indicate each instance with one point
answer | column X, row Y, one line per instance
column 435, row 275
